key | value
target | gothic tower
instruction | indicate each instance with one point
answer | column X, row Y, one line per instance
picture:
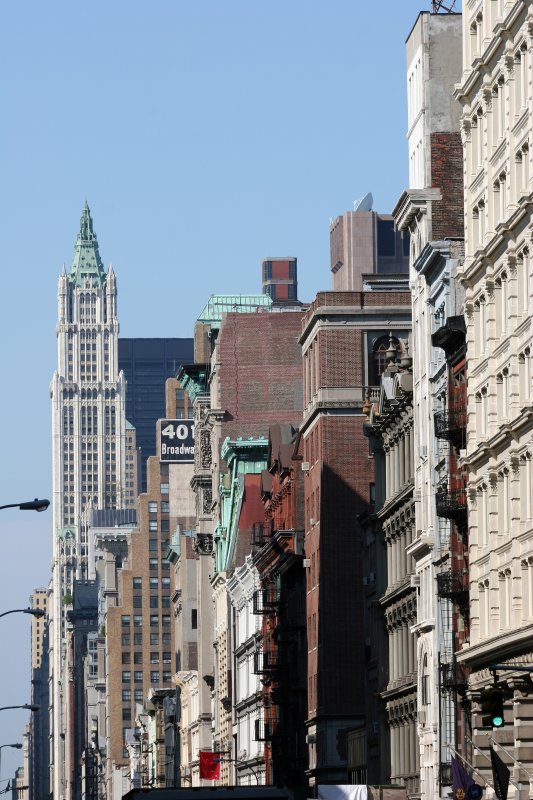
column 88, row 430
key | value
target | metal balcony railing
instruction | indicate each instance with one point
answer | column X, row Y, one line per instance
column 265, row 600
column 450, row 424
column 451, row 503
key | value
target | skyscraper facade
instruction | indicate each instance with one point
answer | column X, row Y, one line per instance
column 89, row 439
column 147, row 363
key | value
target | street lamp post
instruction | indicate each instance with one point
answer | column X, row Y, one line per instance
column 30, row 505
column 35, row 612
column 27, row 706
column 17, row 746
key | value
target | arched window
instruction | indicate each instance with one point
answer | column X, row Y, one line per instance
column 378, row 360
column 424, row 682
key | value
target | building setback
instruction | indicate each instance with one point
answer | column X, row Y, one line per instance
column 364, row 242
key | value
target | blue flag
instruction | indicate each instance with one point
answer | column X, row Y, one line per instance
column 461, row 781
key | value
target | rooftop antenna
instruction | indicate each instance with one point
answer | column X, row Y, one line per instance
column 363, row 203
column 439, row 5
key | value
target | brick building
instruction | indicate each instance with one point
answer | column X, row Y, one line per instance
column 280, row 279
column 252, row 379
column 141, row 651
column 280, row 603
column 342, row 341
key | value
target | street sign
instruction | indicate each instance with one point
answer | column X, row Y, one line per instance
column 177, row 441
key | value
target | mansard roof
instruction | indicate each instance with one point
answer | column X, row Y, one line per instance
column 86, row 264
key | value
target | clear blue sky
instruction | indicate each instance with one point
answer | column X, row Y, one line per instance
column 205, row 136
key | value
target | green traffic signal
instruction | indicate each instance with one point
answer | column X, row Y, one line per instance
column 496, row 708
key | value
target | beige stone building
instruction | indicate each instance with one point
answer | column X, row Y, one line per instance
column 391, row 435
column 497, row 101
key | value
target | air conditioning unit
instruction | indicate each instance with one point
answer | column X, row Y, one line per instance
column 306, row 466
column 306, row 563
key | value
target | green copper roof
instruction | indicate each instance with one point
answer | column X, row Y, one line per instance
column 86, row 264
column 219, row 304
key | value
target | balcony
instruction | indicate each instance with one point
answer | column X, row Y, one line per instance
column 454, row 586
column 265, row 600
column 266, row 662
column 451, row 503
column 450, row 424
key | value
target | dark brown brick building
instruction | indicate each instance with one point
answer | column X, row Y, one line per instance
column 342, row 337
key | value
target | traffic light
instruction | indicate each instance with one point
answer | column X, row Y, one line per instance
column 496, row 708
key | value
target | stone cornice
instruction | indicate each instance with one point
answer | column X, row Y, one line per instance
column 504, row 646
column 413, row 203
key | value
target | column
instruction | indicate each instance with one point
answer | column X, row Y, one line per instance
column 403, row 553
column 401, row 654
column 408, row 451
column 389, row 560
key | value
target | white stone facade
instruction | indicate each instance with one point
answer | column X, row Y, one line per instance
column 88, row 452
column 497, row 98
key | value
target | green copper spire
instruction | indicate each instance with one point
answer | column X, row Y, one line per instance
column 86, row 264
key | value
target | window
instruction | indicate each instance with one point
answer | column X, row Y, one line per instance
column 126, row 714
column 166, row 658
column 165, row 619
column 154, row 638
column 138, row 658
column 165, row 565
column 125, row 658
column 194, row 618
column 126, row 695
column 164, row 488
column 154, row 620
column 137, row 621
column 154, row 601
column 126, row 676
column 166, row 638
column 152, row 545
column 165, row 581
column 164, row 545
column 137, row 601
column 165, row 507
column 152, row 525
column 138, row 676
column 165, row 526
column 154, row 658
column 379, row 358
column 137, row 583
column 165, row 602
column 152, row 507
column 425, row 682
column 154, row 676
column 167, row 676
column 154, row 583
column 125, row 639
column 138, row 695
column 153, row 563
column 125, row 619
